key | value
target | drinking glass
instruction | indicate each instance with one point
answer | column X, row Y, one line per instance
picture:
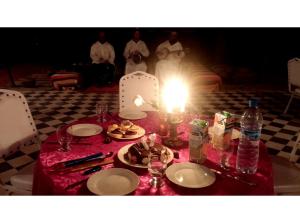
column 223, row 146
column 157, row 166
column 63, row 138
column 101, row 111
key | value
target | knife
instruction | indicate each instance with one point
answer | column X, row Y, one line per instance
column 84, row 159
column 237, row 178
column 88, row 165
column 83, row 166
column 75, row 162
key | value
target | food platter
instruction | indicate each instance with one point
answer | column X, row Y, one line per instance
column 134, row 132
column 124, row 150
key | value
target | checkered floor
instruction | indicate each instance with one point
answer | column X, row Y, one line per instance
column 52, row 108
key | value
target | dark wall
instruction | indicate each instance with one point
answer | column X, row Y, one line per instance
column 264, row 50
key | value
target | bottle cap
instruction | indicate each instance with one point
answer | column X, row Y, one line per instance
column 253, row 103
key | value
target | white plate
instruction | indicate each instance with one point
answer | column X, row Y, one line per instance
column 132, row 115
column 124, row 150
column 84, row 130
column 190, row 175
column 140, row 133
column 114, row 181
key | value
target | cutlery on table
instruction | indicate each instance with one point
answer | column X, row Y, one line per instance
column 87, row 172
column 86, row 159
column 88, row 164
column 92, row 170
column 237, row 178
column 70, row 163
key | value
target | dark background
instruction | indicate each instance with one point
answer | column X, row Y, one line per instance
column 263, row 50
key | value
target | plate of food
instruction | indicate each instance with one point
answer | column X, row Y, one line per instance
column 84, row 130
column 190, row 175
column 126, row 130
column 136, row 155
column 114, row 181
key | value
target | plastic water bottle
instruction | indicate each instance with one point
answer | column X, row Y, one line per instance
column 248, row 149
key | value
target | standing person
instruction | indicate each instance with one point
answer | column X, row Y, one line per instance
column 103, row 56
column 170, row 54
column 135, row 53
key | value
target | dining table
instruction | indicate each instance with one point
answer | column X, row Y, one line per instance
column 46, row 182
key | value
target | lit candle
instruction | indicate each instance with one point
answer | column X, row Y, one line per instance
column 175, row 95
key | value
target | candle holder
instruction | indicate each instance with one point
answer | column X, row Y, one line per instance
column 173, row 120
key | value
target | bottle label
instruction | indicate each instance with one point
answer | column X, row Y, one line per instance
column 252, row 135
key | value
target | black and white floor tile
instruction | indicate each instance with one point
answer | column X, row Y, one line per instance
column 52, row 108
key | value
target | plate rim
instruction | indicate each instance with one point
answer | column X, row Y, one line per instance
column 111, row 169
column 92, row 124
column 186, row 186
column 136, row 137
column 124, row 161
column 124, row 117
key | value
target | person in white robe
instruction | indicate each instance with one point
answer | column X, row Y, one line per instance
column 103, row 55
column 170, row 54
column 135, row 53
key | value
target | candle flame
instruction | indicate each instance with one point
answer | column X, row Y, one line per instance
column 175, row 95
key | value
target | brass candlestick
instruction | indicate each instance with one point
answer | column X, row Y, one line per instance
column 174, row 119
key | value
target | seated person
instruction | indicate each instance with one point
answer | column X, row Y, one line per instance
column 170, row 54
column 103, row 55
column 135, row 52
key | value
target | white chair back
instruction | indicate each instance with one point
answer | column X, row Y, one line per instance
column 17, row 127
column 295, row 148
column 294, row 73
column 138, row 83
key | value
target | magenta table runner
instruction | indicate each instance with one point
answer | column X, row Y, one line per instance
column 47, row 184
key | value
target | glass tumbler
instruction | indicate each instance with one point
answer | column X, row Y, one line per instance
column 64, row 138
column 157, row 166
column 101, row 111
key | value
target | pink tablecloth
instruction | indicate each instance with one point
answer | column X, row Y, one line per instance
column 46, row 184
